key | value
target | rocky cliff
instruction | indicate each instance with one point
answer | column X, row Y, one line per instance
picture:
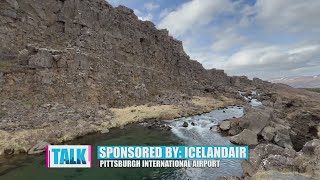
column 89, row 52
column 65, row 63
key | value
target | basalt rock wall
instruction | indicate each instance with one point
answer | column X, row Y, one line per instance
column 86, row 51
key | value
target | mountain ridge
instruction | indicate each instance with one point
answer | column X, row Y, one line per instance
column 299, row 81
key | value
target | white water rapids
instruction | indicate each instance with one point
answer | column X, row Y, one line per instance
column 200, row 134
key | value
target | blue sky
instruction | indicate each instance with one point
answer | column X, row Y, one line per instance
column 257, row 38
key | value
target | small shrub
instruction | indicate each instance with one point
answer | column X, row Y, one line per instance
column 28, row 103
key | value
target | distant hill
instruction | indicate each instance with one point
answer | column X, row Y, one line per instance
column 300, row 81
column 313, row 89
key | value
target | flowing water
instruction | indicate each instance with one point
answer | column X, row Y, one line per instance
column 200, row 134
column 197, row 133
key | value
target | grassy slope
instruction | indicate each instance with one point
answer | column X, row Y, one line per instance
column 313, row 89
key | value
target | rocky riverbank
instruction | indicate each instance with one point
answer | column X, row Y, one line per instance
column 65, row 124
column 283, row 135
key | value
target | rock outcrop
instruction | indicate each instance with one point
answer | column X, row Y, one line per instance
column 64, row 60
column 88, row 53
column 225, row 125
column 38, row 148
column 287, row 163
column 308, row 159
column 287, row 130
column 268, row 157
column 246, row 137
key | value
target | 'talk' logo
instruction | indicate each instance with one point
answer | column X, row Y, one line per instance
column 68, row 156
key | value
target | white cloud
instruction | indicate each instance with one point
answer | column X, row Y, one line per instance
column 264, row 61
column 147, row 17
column 142, row 16
column 273, row 57
column 272, row 61
column 194, row 13
column 287, row 15
column 259, row 55
column 227, row 39
column 150, row 6
column 164, row 13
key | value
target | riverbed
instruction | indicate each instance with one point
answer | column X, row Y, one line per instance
column 200, row 131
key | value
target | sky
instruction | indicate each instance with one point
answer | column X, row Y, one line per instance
column 257, row 38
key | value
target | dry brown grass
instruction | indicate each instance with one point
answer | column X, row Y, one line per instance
column 23, row 140
column 139, row 113
column 168, row 112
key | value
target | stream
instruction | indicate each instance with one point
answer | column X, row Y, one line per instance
column 197, row 133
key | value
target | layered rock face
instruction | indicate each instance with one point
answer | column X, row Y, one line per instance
column 89, row 52
column 65, row 63
column 82, row 55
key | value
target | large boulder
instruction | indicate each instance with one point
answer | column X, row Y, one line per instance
column 235, row 128
column 104, row 130
column 265, row 157
column 282, row 137
column 268, row 133
column 308, row 159
column 38, row 148
column 256, row 119
column 277, row 162
column 310, row 147
column 303, row 127
column 225, row 125
column 246, row 137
